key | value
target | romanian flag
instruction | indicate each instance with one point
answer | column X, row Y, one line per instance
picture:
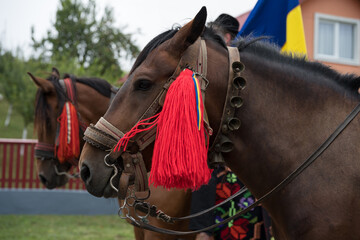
column 281, row 20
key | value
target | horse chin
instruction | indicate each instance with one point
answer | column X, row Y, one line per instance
column 48, row 176
column 95, row 174
column 109, row 192
column 103, row 187
column 58, row 181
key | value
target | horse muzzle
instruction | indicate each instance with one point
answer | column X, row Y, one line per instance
column 97, row 176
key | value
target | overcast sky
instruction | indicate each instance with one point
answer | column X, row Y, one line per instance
column 144, row 18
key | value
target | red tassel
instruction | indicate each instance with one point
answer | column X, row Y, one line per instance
column 69, row 142
column 180, row 153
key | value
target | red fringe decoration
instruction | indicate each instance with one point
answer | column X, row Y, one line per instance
column 180, row 153
column 69, row 142
column 141, row 126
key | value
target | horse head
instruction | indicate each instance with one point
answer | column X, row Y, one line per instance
column 156, row 64
column 46, row 114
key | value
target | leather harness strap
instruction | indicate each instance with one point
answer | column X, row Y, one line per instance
column 44, row 151
column 133, row 166
column 103, row 135
column 228, row 121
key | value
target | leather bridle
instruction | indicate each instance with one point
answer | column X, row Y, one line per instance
column 95, row 135
column 104, row 136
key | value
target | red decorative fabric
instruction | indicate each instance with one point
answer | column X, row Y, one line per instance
column 69, row 142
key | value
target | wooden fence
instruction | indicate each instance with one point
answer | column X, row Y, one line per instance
column 18, row 166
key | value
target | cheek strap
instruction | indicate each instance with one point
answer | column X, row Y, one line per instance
column 45, row 151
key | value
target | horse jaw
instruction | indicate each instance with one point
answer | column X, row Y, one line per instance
column 95, row 174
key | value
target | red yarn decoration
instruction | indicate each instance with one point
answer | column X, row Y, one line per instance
column 69, row 142
column 180, row 152
column 141, row 126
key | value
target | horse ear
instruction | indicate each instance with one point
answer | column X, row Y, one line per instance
column 188, row 34
column 55, row 72
column 44, row 84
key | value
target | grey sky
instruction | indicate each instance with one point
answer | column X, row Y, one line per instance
column 144, row 18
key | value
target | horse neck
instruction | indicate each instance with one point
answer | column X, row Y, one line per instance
column 284, row 119
column 91, row 104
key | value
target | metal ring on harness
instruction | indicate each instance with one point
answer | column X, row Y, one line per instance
column 116, row 171
column 147, row 213
column 121, row 213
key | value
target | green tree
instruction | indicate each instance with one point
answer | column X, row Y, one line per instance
column 97, row 45
column 16, row 86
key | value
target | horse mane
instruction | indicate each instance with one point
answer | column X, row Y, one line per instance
column 271, row 52
column 100, row 85
column 154, row 43
column 42, row 112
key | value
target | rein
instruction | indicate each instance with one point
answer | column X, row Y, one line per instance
column 143, row 224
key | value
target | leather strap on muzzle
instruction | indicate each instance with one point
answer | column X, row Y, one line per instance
column 133, row 166
column 44, row 151
column 102, row 135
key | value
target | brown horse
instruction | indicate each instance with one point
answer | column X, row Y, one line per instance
column 52, row 172
column 49, row 100
column 290, row 107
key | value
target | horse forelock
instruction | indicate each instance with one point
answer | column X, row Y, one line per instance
column 43, row 110
column 154, row 43
column 42, row 113
column 347, row 83
column 98, row 84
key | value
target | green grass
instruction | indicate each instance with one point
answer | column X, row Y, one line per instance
column 63, row 227
column 15, row 128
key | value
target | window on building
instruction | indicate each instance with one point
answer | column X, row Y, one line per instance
column 337, row 39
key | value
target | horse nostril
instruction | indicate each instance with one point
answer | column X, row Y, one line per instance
column 85, row 173
column 43, row 179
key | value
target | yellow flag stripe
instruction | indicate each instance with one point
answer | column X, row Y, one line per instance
column 295, row 37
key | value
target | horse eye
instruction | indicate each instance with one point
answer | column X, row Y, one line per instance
column 143, row 85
